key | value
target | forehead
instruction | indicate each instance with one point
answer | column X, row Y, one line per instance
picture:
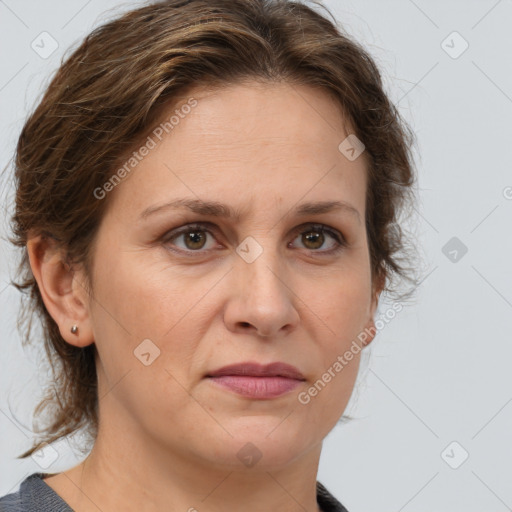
column 280, row 141
column 253, row 113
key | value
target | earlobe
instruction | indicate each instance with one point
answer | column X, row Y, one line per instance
column 63, row 294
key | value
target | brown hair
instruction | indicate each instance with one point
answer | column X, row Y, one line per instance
column 106, row 94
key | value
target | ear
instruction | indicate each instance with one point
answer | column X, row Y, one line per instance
column 370, row 329
column 61, row 288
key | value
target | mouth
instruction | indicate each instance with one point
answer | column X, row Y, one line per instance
column 257, row 381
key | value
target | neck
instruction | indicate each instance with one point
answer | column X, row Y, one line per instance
column 120, row 474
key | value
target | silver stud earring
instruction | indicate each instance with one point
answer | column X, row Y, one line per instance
column 74, row 329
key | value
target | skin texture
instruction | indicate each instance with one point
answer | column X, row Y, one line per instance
column 168, row 438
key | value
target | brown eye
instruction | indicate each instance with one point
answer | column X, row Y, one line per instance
column 316, row 236
column 192, row 238
column 195, row 239
column 313, row 240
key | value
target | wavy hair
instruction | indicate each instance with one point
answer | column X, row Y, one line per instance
column 109, row 91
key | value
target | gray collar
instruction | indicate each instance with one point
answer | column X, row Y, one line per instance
column 35, row 495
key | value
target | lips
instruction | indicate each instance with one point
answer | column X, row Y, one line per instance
column 250, row 369
column 257, row 382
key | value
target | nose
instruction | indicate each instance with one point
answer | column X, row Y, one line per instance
column 261, row 300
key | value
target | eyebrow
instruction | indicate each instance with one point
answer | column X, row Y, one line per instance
column 216, row 209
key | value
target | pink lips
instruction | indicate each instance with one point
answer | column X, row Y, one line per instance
column 258, row 381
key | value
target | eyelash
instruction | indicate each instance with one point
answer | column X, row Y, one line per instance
column 202, row 227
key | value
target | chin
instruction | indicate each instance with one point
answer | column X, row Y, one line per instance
column 261, row 443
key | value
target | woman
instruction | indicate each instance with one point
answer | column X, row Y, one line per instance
column 207, row 198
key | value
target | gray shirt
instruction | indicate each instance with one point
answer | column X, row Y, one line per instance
column 35, row 495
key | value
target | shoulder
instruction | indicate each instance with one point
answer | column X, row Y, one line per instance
column 34, row 495
column 326, row 501
column 11, row 502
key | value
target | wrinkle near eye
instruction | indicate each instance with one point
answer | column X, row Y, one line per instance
column 173, row 237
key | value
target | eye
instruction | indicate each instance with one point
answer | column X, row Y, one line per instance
column 315, row 236
column 194, row 238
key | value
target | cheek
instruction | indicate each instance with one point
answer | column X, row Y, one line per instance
column 331, row 388
column 136, row 302
column 142, row 299
column 139, row 299
column 344, row 308
column 344, row 304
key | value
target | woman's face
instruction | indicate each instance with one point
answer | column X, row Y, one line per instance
column 264, row 286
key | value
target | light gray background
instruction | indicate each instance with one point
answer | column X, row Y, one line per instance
column 440, row 371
